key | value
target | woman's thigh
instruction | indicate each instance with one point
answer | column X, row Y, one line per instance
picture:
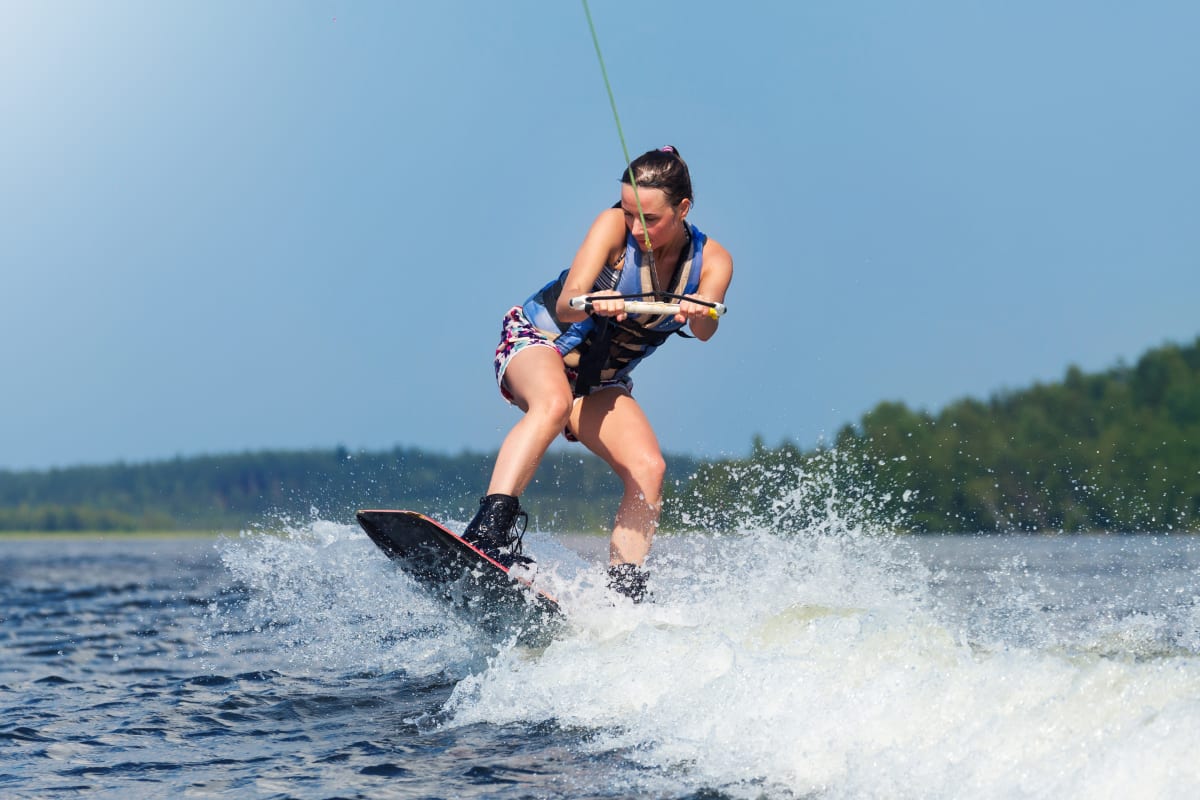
column 612, row 425
column 535, row 376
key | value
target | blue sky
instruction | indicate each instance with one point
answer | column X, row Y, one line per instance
column 229, row 226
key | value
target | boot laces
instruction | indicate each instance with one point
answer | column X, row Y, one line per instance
column 503, row 541
column 517, row 536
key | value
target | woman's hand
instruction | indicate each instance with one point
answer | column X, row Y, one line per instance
column 608, row 303
column 700, row 318
column 690, row 310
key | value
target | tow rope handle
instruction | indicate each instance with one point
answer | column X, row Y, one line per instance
column 584, row 303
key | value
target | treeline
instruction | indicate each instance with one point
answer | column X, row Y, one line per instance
column 265, row 488
column 1114, row 451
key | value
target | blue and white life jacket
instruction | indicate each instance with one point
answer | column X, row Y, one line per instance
column 600, row 348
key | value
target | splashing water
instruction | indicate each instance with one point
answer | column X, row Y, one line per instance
column 809, row 653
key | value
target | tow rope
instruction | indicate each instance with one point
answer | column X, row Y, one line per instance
column 620, row 133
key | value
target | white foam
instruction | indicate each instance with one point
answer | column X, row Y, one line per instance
column 319, row 595
column 817, row 662
column 815, row 674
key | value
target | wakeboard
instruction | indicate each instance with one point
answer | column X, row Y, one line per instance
column 488, row 593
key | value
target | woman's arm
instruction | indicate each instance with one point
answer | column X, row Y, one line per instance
column 715, row 276
column 602, row 245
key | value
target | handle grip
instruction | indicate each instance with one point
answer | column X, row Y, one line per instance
column 647, row 307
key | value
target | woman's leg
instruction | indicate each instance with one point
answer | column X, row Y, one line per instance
column 613, row 426
column 538, row 385
column 536, row 380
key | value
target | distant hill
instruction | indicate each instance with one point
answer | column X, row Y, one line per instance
column 1112, row 451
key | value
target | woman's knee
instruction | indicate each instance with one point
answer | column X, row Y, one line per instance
column 553, row 408
column 645, row 474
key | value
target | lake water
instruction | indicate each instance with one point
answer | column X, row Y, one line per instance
column 827, row 665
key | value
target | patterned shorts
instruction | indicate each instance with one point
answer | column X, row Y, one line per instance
column 517, row 333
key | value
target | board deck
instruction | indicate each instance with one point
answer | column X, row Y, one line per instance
column 444, row 563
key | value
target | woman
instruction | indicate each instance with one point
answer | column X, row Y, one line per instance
column 569, row 372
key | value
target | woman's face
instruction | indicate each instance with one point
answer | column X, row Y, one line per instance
column 663, row 223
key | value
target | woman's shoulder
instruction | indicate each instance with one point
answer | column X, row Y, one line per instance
column 612, row 219
column 608, row 230
column 715, row 251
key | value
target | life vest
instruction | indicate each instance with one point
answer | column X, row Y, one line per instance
column 599, row 348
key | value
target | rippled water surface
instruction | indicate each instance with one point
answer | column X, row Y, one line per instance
column 835, row 665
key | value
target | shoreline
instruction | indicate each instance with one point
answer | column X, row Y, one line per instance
column 115, row 535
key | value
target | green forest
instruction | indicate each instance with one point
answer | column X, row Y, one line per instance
column 1117, row 451
column 273, row 488
column 1113, row 451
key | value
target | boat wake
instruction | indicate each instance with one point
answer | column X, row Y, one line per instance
column 829, row 660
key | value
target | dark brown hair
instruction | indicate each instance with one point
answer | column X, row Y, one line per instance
column 662, row 169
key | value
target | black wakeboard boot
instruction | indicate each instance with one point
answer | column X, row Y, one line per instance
column 630, row 580
column 494, row 529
